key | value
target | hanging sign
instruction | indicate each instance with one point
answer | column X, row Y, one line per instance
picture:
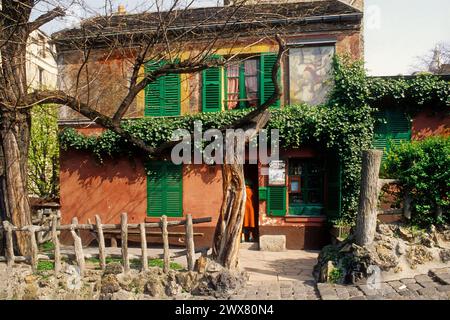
column 277, row 173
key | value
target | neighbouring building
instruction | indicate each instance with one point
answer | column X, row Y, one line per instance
column 298, row 208
column 42, row 70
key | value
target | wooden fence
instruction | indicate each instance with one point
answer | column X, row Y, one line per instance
column 8, row 230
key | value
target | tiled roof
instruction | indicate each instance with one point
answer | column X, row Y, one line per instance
column 248, row 16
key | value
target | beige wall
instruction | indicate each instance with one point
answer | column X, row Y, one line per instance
column 40, row 59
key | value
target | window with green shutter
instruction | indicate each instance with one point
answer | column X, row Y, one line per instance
column 266, row 85
column 391, row 128
column 212, row 89
column 164, row 189
column 162, row 97
column 276, row 200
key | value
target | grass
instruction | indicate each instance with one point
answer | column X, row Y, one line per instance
column 45, row 265
column 136, row 263
column 47, row 246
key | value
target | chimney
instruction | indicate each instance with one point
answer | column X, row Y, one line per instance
column 121, row 9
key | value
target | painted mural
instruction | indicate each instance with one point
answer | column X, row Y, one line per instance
column 309, row 74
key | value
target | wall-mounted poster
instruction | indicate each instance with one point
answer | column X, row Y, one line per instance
column 277, row 173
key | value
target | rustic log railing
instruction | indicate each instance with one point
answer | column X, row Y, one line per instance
column 8, row 229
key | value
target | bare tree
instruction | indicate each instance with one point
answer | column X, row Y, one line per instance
column 166, row 34
column 436, row 61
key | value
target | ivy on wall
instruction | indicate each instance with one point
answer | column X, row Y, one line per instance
column 343, row 125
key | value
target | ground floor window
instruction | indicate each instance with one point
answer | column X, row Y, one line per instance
column 305, row 187
column 164, row 189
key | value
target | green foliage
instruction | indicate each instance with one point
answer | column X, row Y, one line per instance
column 336, row 275
column 45, row 265
column 353, row 88
column 423, row 170
column 43, row 160
column 47, row 246
column 136, row 263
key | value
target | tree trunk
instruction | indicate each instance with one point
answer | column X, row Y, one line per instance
column 368, row 197
column 229, row 225
column 15, row 123
column 14, row 137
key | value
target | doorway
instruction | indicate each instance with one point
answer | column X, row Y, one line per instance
column 250, row 226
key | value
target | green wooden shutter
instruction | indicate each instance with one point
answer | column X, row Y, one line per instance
column 153, row 92
column 155, row 189
column 164, row 189
column 333, row 202
column 266, row 86
column 276, row 200
column 391, row 128
column 174, row 190
column 162, row 97
column 172, row 95
column 212, row 89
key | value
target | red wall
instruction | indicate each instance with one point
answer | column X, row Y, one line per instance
column 428, row 122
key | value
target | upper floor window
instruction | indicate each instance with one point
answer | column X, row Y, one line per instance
column 246, row 83
column 242, row 84
column 162, row 97
column 309, row 74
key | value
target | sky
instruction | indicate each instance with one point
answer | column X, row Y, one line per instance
column 396, row 32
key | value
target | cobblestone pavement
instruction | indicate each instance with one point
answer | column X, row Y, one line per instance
column 434, row 286
column 288, row 276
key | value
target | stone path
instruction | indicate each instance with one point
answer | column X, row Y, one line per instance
column 288, row 276
column 434, row 286
column 278, row 275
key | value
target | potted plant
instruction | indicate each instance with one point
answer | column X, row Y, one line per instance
column 340, row 229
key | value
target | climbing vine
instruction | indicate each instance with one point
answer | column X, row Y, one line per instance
column 343, row 125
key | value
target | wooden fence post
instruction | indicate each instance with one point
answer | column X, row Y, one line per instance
column 190, row 249
column 124, row 236
column 34, row 248
column 101, row 242
column 57, row 250
column 9, row 243
column 368, row 197
column 165, row 237
column 78, row 247
column 144, row 258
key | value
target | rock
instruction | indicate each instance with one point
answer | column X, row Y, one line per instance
column 386, row 258
column 446, row 235
column 427, row 241
column 418, row 254
column 200, row 264
column 400, row 249
column 122, row 295
column 30, row 292
column 172, row 289
column 212, row 266
column 220, row 284
column 113, row 268
column 187, row 280
column 326, row 271
column 109, row 284
column 274, row 243
column 30, row 279
column 405, row 234
column 444, row 254
column 154, row 288
column 385, row 229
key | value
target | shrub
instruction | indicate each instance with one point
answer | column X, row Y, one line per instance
column 423, row 170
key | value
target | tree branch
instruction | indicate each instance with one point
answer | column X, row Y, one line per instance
column 46, row 17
